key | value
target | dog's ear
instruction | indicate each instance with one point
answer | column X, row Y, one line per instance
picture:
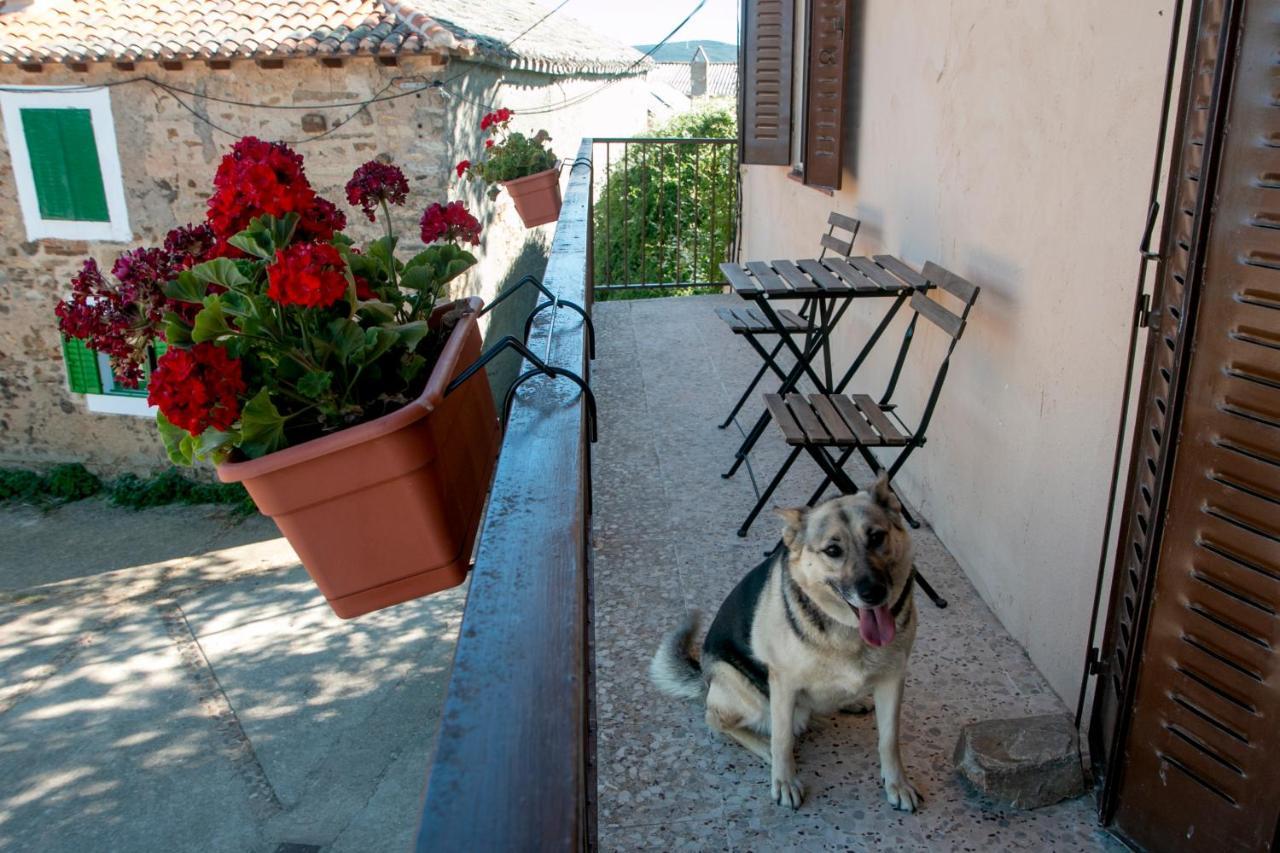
column 885, row 497
column 795, row 517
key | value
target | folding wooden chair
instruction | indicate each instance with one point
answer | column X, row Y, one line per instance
column 751, row 324
column 857, row 422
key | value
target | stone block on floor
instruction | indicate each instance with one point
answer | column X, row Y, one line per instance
column 1026, row 762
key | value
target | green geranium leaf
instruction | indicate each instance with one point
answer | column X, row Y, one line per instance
column 411, row 334
column 214, row 445
column 177, row 332
column 266, row 235
column 377, row 341
column 253, row 243
column 315, row 384
column 379, row 312
column 417, row 278
column 211, row 322
column 411, row 366
column 445, row 261
column 383, row 250
column 186, row 287
column 220, row 271
column 347, row 338
column 236, row 304
column 177, row 441
column 261, row 426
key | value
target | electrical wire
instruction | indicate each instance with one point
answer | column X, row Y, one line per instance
column 531, row 27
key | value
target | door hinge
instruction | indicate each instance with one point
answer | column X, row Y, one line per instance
column 1096, row 664
column 1146, row 315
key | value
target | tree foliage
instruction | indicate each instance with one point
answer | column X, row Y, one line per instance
column 667, row 212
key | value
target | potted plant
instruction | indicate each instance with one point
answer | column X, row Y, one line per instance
column 524, row 165
column 314, row 370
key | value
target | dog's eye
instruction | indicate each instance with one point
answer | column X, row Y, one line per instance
column 833, row 551
column 875, row 538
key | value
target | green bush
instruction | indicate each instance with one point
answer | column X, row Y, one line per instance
column 667, row 213
column 72, row 482
column 171, row 487
column 17, row 484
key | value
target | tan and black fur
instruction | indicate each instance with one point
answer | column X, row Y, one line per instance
column 786, row 642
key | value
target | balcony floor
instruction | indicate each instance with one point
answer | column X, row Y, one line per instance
column 664, row 542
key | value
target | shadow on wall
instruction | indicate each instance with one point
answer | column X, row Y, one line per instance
column 508, row 318
column 853, row 88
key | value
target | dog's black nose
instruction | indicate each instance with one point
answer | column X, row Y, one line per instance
column 871, row 591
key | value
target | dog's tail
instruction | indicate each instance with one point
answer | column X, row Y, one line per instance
column 674, row 670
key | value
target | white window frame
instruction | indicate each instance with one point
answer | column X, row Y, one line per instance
column 98, row 103
column 108, row 403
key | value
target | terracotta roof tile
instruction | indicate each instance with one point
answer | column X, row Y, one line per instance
column 49, row 31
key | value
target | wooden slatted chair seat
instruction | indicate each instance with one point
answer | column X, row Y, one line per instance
column 836, row 420
column 751, row 321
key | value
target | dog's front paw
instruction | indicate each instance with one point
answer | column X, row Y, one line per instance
column 788, row 792
column 901, row 794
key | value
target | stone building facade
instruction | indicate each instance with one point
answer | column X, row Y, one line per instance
column 175, row 112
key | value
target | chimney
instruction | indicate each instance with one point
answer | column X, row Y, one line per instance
column 698, row 74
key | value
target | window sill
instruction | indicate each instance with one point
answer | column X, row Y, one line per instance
column 119, row 404
column 798, row 177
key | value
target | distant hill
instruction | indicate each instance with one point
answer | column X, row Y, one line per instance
column 682, row 51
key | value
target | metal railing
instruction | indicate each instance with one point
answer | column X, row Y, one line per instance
column 514, row 767
column 666, row 211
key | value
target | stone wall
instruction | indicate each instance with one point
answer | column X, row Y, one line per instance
column 168, row 158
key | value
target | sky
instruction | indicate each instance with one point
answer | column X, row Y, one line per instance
column 648, row 21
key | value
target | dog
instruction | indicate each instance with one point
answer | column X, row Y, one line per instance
column 824, row 624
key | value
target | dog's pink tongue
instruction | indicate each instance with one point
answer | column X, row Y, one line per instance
column 876, row 626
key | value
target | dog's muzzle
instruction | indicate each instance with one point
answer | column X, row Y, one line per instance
column 875, row 624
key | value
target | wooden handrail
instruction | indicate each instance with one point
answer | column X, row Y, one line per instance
column 514, row 761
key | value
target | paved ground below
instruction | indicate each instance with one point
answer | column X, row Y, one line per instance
column 171, row 680
column 667, row 373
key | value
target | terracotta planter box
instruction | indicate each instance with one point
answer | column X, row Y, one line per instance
column 537, row 196
column 387, row 511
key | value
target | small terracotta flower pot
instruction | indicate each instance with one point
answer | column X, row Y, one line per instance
column 387, row 511
column 537, row 196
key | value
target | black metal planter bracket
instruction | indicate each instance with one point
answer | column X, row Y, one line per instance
column 540, row 368
column 552, row 302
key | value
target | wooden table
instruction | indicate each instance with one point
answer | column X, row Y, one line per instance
column 833, row 284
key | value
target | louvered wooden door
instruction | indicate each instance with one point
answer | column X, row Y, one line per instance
column 1186, row 726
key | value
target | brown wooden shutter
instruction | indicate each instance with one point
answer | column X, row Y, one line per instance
column 1197, row 611
column 765, row 58
column 827, row 70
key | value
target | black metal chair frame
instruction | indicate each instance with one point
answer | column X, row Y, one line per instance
column 832, row 466
column 816, row 311
column 886, row 265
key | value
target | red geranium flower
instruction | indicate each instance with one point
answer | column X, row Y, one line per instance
column 496, row 118
column 488, row 143
column 258, row 178
column 462, row 167
column 197, row 388
column 307, row 274
column 375, row 183
column 450, row 222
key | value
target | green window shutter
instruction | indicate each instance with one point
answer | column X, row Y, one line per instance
column 158, row 346
column 82, row 367
column 64, row 164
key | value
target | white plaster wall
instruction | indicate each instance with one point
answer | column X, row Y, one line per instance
column 1012, row 142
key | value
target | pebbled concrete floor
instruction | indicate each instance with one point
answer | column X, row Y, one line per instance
column 171, row 680
column 667, row 372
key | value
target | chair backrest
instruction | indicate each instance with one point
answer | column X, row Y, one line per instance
column 831, row 242
column 936, row 312
column 951, row 323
